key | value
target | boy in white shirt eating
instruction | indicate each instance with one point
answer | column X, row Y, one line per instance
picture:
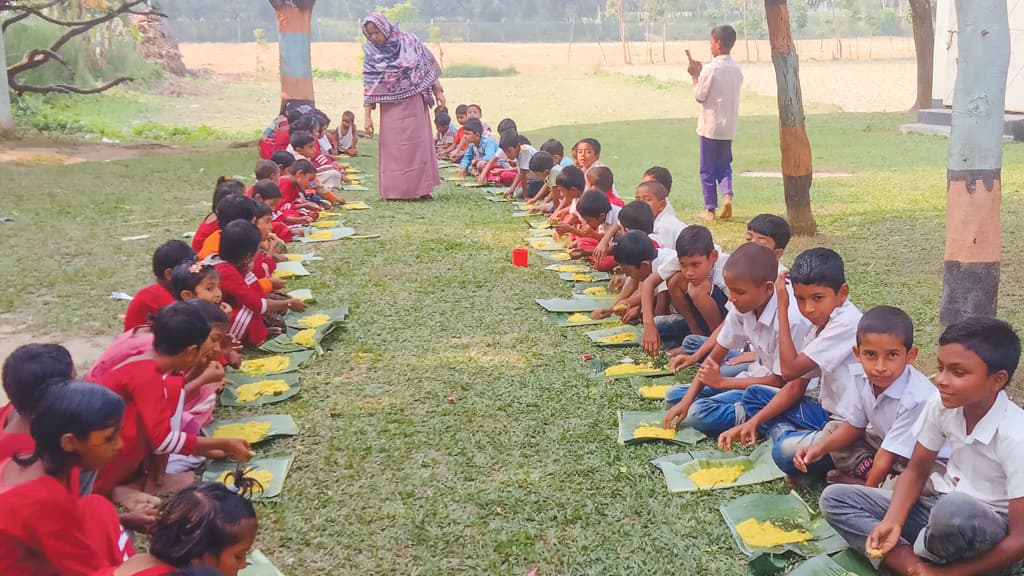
column 976, row 523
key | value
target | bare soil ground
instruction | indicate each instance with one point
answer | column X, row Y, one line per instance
column 40, row 152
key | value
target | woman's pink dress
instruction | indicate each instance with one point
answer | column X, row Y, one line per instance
column 408, row 161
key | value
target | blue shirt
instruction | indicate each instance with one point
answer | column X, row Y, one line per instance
column 566, row 161
column 485, row 150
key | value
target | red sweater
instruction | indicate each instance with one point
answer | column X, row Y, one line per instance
column 146, row 301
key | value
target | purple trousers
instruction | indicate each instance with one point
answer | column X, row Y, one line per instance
column 715, row 170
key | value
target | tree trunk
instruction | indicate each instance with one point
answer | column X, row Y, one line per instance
column 293, row 25
column 924, row 45
column 970, row 279
column 796, row 149
column 6, row 120
column 626, row 56
column 746, row 27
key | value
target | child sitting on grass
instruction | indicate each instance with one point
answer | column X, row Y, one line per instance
column 601, row 178
column 157, row 295
column 445, row 133
column 636, row 255
column 587, row 154
column 225, row 187
column 874, row 439
column 293, row 191
column 328, row 174
column 513, row 147
column 284, row 161
column 475, row 112
column 542, row 167
column 27, row 374
column 971, row 522
column 480, row 152
column 598, row 216
column 234, row 207
column 666, row 226
column 569, row 187
column 711, row 403
column 787, row 415
column 346, row 138
column 457, row 148
column 47, row 527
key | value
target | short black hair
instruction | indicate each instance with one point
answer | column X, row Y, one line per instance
column 304, row 123
column 28, row 371
column 348, row 114
column 265, row 169
column 991, row 339
column 226, row 186
column 178, row 326
column 261, row 211
column 694, row 241
column 282, row 158
column 634, row 248
column 461, row 110
column 174, row 252
column 594, row 144
column 571, row 177
column 443, row 119
column 818, row 267
column 655, row 188
column 773, row 227
column 473, row 125
column 662, row 175
column 593, row 204
column 189, row 275
column 751, row 262
column 213, row 313
column 507, row 124
column 477, row 106
column 239, row 240
column 300, row 138
column 602, row 178
column 202, row 519
column 233, row 208
column 637, row 215
column 726, row 36
column 303, row 167
column 888, row 320
column 553, row 147
column 509, row 139
column 541, row 162
column 265, row 189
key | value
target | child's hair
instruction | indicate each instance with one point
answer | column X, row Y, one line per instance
column 694, row 241
column 189, row 275
column 348, row 114
column 594, row 144
column 304, row 123
column 261, row 211
column 203, row 518
column 28, row 370
column 233, row 208
column 196, row 571
column 509, row 139
column 321, row 117
column 541, row 162
column 239, row 240
column 553, row 147
column 507, row 124
column 212, row 313
column 266, row 190
column 602, row 178
column 226, row 186
column 461, row 110
column 773, row 227
column 178, row 326
column 69, row 407
column 571, row 177
column 637, row 215
column 443, row 120
column 303, row 167
column 634, row 248
column 726, row 36
column 593, row 204
column 477, row 106
column 473, row 125
column 283, row 159
column 818, row 267
column 888, row 320
column 265, row 169
column 300, row 139
column 751, row 262
column 174, row 252
column 991, row 339
column 661, row 175
column 656, row 188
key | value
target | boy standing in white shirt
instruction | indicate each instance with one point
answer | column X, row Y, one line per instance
column 717, row 87
column 976, row 523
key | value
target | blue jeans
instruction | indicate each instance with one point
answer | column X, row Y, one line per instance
column 692, row 343
column 672, row 329
column 714, row 411
column 795, row 428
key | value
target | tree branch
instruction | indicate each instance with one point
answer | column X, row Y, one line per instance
column 10, row 7
column 19, row 88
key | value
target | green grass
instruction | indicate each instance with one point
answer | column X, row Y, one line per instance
column 478, row 71
column 523, row 470
column 337, row 75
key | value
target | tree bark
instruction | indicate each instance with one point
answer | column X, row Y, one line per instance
column 924, row 45
column 796, row 148
column 970, row 279
column 294, row 20
column 6, row 120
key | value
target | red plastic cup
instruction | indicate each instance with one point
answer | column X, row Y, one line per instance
column 520, row 257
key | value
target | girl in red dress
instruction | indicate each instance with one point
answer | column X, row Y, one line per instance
column 225, row 187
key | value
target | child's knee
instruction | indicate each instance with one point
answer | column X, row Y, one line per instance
column 757, row 397
column 960, row 526
column 834, row 500
column 675, row 394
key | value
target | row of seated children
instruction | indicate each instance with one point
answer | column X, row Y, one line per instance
column 926, row 478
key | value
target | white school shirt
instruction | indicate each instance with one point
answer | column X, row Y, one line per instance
column 667, row 228
column 893, row 413
column 988, row 463
column 664, row 255
column 526, row 153
column 610, row 220
column 718, row 89
column 831, row 348
column 763, row 334
column 672, row 267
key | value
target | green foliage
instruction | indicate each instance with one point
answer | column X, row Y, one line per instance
column 400, row 12
column 478, row 71
column 333, row 74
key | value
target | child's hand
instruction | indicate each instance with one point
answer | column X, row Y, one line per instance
column 630, row 315
column 226, row 308
column 694, row 66
column 651, row 341
column 710, row 373
column 561, row 229
column 702, row 288
column 745, row 434
column 883, row 538
column 238, row 449
column 276, row 283
column 744, row 358
column 681, row 362
column 675, row 416
column 601, row 313
column 807, row 455
column 142, row 521
column 782, row 291
column 461, row 173
column 296, row 305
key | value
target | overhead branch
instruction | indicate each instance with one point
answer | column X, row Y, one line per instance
column 19, row 88
column 22, row 13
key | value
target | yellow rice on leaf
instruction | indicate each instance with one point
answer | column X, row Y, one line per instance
column 305, row 337
column 717, row 476
column 268, row 365
column 654, row 432
column 619, row 338
column 321, row 235
column 326, row 224
column 248, row 431
column 314, row 320
column 251, row 392
column 294, row 257
column 570, row 268
column 263, row 478
column 596, row 291
column 654, row 392
column 582, row 278
column 284, row 274
column 578, row 318
column 627, row 369
column 760, row 534
column 560, row 256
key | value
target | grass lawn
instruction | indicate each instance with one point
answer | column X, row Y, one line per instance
column 523, row 470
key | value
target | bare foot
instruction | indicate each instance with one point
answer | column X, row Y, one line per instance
column 130, row 497
column 726, row 207
column 708, row 215
column 172, row 483
column 798, row 482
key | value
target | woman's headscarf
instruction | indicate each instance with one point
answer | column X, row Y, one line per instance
column 400, row 68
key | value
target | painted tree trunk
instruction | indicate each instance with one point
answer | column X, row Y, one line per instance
column 796, row 148
column 970, row 279
column 924, row 45
column 6, row 120
column 293, row 24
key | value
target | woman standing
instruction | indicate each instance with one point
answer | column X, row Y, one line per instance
column 401, row 76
